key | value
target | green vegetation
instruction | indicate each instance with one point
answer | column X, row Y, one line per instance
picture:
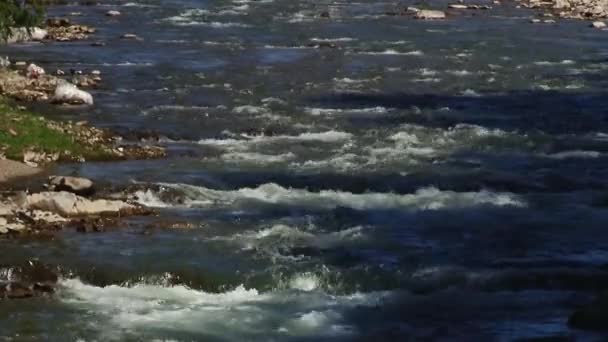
column 16, row 13
column 21, row 131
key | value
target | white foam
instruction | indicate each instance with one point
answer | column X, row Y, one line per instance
column 578, row 154
column 392, row 52
column 548, row 63
column 459, row 73
column 237, row 314
column 330, row 40
column 332, row 111
column 253, row 157
column 149, row 199
column 248, row 141
column 305, row 282
column 248, row 109
column 428, row 198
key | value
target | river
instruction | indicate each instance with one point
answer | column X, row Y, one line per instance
column 356, row 177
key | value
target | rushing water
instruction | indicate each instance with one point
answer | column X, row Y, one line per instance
column 358, row 177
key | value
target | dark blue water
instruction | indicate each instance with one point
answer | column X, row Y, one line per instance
column 363, row 176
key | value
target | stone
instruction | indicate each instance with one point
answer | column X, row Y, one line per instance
column 457, row 6
column 412, row 10
column 34, row 71
column 3, row 223
column 69, row 93
column 21, row 34
column 598, row 24
column 113, row 13
column 68, row 204
column 34, row 158
column 5, row 62
column 58, row 22
column 69, row 33
column 75, row 185
column 430, row 15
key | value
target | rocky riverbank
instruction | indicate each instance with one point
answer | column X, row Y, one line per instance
column 64, row 202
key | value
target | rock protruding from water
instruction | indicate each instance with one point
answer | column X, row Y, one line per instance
column 21, row 34
column 32, row 279
column 574, row 9
column 68, row 204
column 76, row 185
column 66, row 31
column 430, row 15
column 70, row 94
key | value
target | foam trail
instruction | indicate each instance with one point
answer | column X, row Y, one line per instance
column 424, row 199
column 233, row 315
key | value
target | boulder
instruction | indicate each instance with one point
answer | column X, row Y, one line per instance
column 21, row 34
column 69, row 93
column 430, row 15
column 75, row 185
column 5, row 62
column 598, row 24
column 34, row 71
column 68, row 204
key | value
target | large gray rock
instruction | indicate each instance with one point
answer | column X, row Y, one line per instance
column 69, row 93
column 21, row 34
column 430, row 15
column 76, row 185
column 68, row 204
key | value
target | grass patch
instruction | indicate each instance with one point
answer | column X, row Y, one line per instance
column 21, row 130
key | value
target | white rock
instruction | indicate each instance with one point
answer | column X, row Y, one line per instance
column 34, row 71
column 76, row 185
column 5, row 62
column 21, row 34
column 69, row 93
column 68, row 204
column 430, row 14
column 457, row 6
column 561, row 4
column 113, row 13
column 598, row 24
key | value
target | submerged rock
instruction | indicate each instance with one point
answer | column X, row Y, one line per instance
column 430, row 15
column 69, row 93
column 75, row 185
column 32, row 279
